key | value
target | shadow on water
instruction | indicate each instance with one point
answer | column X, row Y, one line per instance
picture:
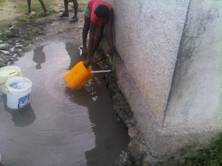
column 111, row 138
column 39, row 57
column 22, row 117
column 73, row 51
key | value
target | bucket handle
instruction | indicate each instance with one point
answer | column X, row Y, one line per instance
column 12, row 73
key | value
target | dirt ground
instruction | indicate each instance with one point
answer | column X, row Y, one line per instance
column 19, row 31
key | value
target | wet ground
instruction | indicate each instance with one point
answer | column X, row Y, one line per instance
column 60, row 127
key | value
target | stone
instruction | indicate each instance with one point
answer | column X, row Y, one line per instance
column 4, row 46
column 18, row 45
column 14, row 55
column 145, row 163
column 4, row 52
column 11, row 27
column 12, row 49
column 133, row 132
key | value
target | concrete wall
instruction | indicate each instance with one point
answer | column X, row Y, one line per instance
column 194, row 109
column 148, row 34
column 195, row 100
column 170, row 69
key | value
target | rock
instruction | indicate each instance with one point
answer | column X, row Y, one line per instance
column 2, row 62
column 94, row 98
column 4, row 52
column 4, row 46
column 123, row 159
column 145, row 163
column 10, row 63
column 11, row 27
column 133, row 132
column 18, row 45
column 12, row 49
column 14, row 55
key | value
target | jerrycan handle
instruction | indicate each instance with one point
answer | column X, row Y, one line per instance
column 101, row 71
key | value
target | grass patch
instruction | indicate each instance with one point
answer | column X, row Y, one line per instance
column 2, row 2
column 210, row 156
column 83, row 1
column 37, row 8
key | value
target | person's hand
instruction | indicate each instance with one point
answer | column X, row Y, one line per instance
column 111, row 50
column 88, row 62
column 85, row 52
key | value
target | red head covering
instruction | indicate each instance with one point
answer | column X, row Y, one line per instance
column 92, row 5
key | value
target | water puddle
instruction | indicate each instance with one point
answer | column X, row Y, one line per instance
column 60, row 127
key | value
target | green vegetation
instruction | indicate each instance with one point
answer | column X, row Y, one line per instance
column 83, row 1
column 210, row 156
column 21, row 18
column 2, row 2
column 36, row 7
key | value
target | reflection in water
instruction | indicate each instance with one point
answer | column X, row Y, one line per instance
column 22, row 117
column 111, row 138
column 39, row 57
column 73, row 51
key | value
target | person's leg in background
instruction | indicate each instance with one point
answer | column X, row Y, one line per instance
column 75, row 6
column 43, row 6
column 66, row 11
column 29, row 2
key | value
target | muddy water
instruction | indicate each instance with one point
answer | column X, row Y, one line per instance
column 60, row 127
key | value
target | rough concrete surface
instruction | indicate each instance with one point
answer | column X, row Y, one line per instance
column 170, row 69
column 148, row 34
column 196, row 93
column 195, row 101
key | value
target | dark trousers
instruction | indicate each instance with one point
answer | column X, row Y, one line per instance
column 75, row 4
column 40, row 1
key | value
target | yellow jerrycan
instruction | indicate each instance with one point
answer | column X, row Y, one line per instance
column 78, row 76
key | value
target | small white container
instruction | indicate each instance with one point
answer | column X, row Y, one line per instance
column 18, row 90
column 8, row 72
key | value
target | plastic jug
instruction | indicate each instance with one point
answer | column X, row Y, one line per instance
column 77, row 77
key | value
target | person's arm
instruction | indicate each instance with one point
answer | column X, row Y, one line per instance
column 86, row 28
column 85, row 31
column 95, row 37
column 111, row 33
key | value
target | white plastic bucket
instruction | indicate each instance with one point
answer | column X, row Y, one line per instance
column 18, row 90
column 8, row 72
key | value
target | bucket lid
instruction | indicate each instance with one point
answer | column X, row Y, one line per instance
column 18, row 84
column 7, row 72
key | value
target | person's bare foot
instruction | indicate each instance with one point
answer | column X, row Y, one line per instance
column 64, row 14
column 46, row 13
column 31, row 13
